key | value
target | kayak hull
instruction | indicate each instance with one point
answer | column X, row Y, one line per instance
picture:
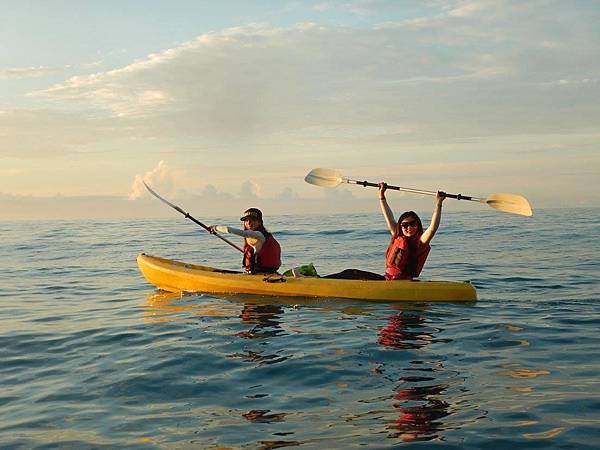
column 176, row 276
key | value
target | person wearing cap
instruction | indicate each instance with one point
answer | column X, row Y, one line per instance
column 262, row 252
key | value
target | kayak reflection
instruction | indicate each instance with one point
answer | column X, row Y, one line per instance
column 265, row 319
column 164, row 306
column 421, row 422
column 408, row 330
column 419, row 396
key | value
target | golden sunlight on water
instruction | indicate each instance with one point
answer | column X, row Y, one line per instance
column 161, row 307
column 522, row 373
column 544, row 434
column 522, row 389
column 526, row 423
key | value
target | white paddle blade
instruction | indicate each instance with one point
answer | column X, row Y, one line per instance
column 510, row 203
column 324, row 177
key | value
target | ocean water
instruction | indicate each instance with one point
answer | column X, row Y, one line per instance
column 92, row 356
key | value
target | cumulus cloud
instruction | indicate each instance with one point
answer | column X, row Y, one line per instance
column 250, row 190
column 288, row 194
column 160, row 179
column 165, row 181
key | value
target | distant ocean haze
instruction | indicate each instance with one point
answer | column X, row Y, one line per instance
column 113, row 208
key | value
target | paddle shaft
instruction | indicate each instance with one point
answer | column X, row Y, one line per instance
column 415, row 191
column 193, row 219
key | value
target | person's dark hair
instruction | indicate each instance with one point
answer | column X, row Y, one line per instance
column 405, row 215
column 262, row 228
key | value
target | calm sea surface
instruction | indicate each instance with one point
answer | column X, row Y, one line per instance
column 91, row 356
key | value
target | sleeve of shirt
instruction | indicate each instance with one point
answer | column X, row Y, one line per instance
column 243, row 233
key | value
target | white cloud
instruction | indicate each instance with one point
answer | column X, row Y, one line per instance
column 20, row 73
column 160, row 179
column 288, row 194
column 258, row 80
column 585, row 82
column 25, row 72
column 282, row 96
column 469, row 8
column 250, row 190
column 173, row 183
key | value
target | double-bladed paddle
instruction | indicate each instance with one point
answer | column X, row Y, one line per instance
column 510, row 203
column 187, row 216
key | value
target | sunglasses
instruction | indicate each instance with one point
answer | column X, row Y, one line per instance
column 408, row 224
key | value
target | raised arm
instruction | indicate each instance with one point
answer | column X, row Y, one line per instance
column 385, row 209
column 243, row 233
column 429, row 233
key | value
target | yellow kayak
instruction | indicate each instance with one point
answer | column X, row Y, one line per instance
column 176, row 276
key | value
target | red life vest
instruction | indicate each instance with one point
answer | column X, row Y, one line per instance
column 268, row 258
column 403, row 262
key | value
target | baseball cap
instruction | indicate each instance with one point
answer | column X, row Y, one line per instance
column 252, row 213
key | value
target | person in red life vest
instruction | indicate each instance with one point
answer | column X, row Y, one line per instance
column 409, row 246
column 262, row 253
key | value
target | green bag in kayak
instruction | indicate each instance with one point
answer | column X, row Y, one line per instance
column 307, row 270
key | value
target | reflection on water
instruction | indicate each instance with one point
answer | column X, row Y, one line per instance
column 164, row 306
column 265, row 319
column 263, row 416
column 268, row 445
column 419, row 395
column 545, row 434
column 407, row 330
column 521, row 372
column 420, row 383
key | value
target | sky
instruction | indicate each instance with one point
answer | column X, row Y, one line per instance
column 225, row 105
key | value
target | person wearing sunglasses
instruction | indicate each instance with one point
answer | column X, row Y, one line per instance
column 409, row 246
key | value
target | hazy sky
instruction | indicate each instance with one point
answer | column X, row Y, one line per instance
column 225, row 104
